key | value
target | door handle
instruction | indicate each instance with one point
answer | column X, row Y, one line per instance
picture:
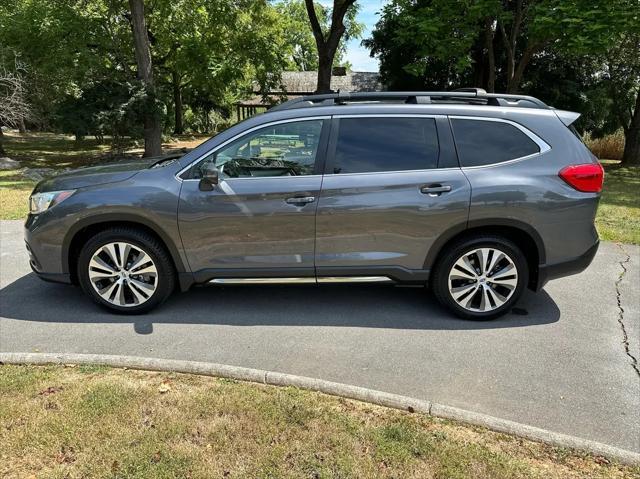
column 435, row 189
column 300, row 200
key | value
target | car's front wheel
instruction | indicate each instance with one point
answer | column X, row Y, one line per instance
column 126, row 270
column 481, row 277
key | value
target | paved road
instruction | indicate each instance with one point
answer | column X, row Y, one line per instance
column 562, row 367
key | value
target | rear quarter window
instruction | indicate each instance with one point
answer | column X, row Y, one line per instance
column 482, row 142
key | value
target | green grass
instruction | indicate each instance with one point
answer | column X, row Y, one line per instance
column 618, row 217
column 84, row 421
column 41, row 150
column 50, row 150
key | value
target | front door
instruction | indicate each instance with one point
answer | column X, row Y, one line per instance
column 392, row 187
column 260, row 219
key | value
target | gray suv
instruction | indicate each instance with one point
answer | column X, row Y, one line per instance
column 476, row 195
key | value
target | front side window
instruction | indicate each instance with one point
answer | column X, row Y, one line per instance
column 482, row 142
column 286, row 149
column 385, row 144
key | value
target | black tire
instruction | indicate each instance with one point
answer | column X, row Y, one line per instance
column 165, row 280
column 440, row 276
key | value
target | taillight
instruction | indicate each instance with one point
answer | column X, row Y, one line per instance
column 587, row 177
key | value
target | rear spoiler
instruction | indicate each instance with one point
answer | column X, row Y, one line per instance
column 567, row 117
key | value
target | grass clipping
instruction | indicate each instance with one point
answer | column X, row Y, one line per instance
column 87, row 421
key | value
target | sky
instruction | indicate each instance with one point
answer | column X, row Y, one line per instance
column 357, row 54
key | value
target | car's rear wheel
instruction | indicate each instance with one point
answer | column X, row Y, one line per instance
column 481, row 277
column 126, row 270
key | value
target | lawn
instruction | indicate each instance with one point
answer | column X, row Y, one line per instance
column 59, row 152
column 88, row 421
column 618, row 216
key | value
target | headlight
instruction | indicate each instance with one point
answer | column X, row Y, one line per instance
column 42, row 201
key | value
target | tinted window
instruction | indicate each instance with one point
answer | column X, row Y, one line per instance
column 385, row 144
column 485, row 142
column 288, row 149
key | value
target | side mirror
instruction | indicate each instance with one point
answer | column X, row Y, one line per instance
column 210, row 178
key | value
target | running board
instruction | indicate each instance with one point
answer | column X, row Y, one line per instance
column 328, row 279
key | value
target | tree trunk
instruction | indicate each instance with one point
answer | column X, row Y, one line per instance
column 491, row 58
column 325, row 63
column 177, row 104
column 21, row 127
column 631, row 156
column 152, row 123
column 328, row 46
column 2, row 151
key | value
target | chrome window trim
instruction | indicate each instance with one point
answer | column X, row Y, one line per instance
column 239, row 135
column 543, row 145
column 342, row 175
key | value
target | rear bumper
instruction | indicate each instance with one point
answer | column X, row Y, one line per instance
column 566, row 268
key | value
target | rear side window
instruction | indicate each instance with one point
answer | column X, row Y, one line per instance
column 481, row 142
column 385, row 144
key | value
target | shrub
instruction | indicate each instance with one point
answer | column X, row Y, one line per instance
column 609, row 147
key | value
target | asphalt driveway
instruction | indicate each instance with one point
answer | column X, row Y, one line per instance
column 564, row 362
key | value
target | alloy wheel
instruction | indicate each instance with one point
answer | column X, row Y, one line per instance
column 123, row 274
column 483, row 279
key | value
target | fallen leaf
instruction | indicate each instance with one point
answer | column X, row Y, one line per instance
column 50, row 390
column 66, row 455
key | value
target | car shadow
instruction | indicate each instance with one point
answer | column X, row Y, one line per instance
column 351, row 305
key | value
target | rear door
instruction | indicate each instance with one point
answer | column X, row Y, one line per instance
column 260, row 219
column 392, row 186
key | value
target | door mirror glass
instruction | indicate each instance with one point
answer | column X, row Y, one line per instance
column 210, row 177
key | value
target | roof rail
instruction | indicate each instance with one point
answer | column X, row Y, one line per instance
column 476, row 96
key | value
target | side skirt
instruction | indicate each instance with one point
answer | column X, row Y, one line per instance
column 319, row 275
column 343, row 279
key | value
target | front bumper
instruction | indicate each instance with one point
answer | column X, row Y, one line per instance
column 44, row 252
column 54, row 277
column 566, row 268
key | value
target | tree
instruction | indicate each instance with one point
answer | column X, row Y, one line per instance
column 207, row 53
column 427, row 44
column 14, row 108
column 621, row 75
column 508, row 34
column 303, row 53
column 327, row 42
column 631, row 154
column 152, row 121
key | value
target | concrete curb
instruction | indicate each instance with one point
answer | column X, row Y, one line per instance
column 380, row 398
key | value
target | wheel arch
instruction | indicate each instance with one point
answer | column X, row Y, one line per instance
column 522, row 234
column 83, row 230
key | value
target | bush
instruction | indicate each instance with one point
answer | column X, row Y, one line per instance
column 609, row 147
